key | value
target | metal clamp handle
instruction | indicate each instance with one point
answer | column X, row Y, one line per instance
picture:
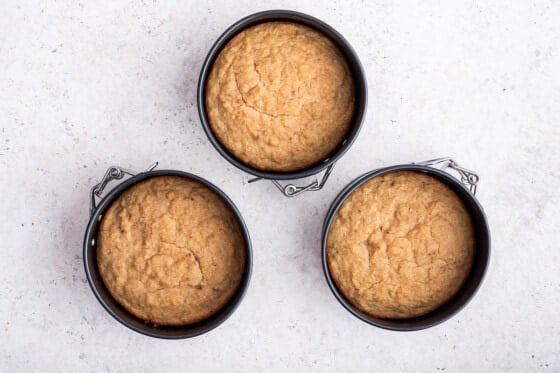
column 469, row 178
column 112, row 173
column 291, row 190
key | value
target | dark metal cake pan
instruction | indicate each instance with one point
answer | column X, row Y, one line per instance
column 102, row 294
column 360, row 92
column 465, row 189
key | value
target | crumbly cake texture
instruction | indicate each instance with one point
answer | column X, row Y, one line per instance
column 280, row 96
column 401, row 245
column 170, row 251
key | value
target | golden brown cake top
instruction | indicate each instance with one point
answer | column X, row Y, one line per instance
column 401, row 245
column 170, row 251
column 280, row 96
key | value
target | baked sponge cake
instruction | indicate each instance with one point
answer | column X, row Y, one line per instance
column 401, row 245
column 170, row 251
column 280, row 96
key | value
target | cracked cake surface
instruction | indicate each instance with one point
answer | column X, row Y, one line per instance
column 280, row 96
column 170, row 251
column 401, row 245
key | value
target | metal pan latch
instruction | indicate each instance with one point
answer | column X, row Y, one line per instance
column 468, row 178
column 291, row 190
column 113, row 173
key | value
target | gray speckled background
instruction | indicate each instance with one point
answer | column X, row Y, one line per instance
column 84, row 85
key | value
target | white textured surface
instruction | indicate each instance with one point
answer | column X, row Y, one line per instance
column 84, row 85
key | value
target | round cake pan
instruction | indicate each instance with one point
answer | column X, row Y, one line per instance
column 359, row 112
column 90, row 258
column 465, row 188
